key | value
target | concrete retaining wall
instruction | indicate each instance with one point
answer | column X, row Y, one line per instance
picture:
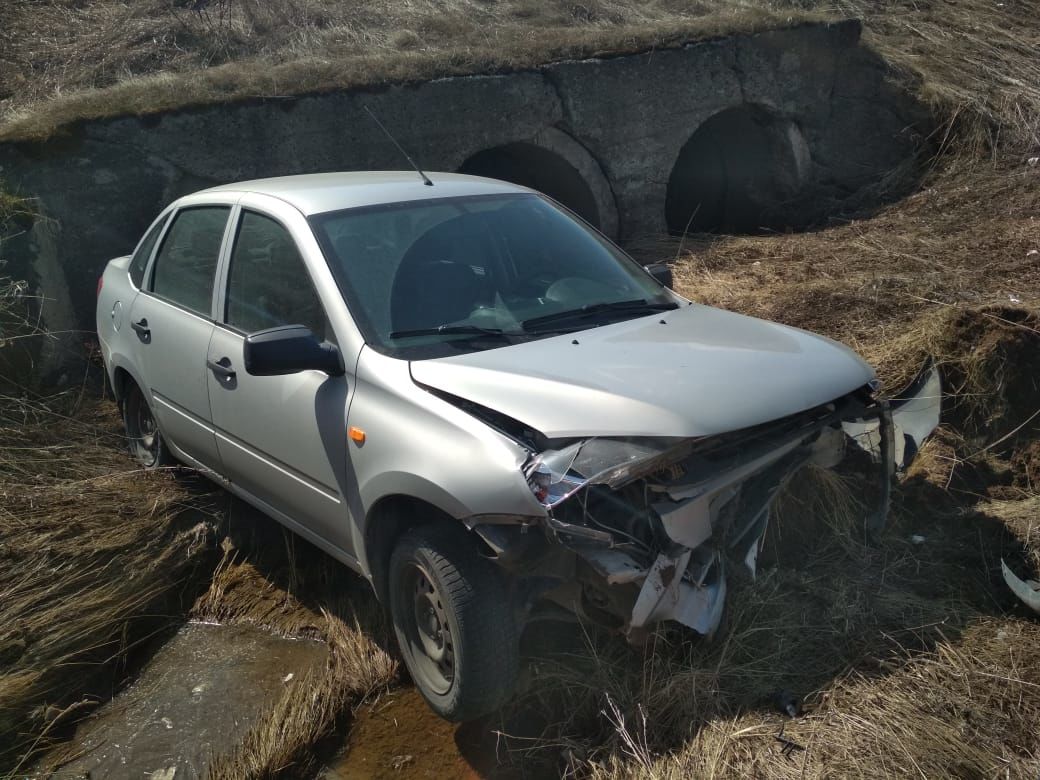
column 604, row 134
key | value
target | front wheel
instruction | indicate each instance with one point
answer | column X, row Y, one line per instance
column 144, row 440
column 453, row 621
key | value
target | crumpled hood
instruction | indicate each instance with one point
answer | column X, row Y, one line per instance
column 704, row 371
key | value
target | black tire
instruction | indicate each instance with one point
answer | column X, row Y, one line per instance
column 144, row 441
column 464, row 658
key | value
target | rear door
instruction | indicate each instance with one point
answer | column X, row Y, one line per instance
column 281, row 438
column 172, row 322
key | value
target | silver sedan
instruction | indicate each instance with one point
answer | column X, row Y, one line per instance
column 479, row 403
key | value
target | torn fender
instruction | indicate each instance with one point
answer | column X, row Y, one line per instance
column 895, row 435
column 914, row 415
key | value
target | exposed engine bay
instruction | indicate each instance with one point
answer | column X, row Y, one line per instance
column 639, row 531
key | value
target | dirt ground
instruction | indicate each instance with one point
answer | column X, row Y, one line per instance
column 905, row 655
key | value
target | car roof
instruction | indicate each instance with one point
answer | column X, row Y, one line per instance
column 315, row 193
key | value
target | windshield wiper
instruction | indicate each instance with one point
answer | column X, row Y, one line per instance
column 454, row 330
column 635, row 305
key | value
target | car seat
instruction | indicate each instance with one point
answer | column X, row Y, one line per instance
column 443, row 276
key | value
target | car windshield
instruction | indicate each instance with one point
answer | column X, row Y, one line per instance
column 440, row 277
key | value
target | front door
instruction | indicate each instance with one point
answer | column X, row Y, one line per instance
column 172, row 321
column 281, row 438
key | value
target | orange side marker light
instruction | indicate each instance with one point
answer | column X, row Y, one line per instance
column 356, row 435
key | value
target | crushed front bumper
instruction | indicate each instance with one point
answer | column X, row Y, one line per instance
column 717, row 509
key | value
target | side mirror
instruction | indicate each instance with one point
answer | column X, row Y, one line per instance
column 662, row 272
column 289, row 349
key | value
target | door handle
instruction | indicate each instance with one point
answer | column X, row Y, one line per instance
column 221, row 368
column 142, row 330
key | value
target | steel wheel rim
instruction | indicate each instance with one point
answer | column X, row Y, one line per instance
column 429, row 631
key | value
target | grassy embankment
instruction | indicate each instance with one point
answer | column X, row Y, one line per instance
column 68, row 61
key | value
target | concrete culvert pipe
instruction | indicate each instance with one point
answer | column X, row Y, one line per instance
column 738, row 173
column 533, row 166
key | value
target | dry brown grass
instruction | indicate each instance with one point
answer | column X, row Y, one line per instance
column 20, row 331
column 16, row 213
column 109, row 59
column 965, row 709
column 272, row 580
column 1021, row 515
column 62, row 61
column 975, row 62
column 94, row 558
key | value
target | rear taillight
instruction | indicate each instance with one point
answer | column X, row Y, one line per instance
column 100, row 284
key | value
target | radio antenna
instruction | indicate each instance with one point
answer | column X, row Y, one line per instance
column 425, row 178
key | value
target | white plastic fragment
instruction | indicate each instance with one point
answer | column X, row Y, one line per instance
column 1028, row 591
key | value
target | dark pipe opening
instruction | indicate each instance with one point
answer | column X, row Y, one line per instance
column 738, row 173
column 532, row 166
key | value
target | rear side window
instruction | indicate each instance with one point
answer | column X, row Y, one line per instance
column 187, row 260
column 268, row 283
column 139, row 262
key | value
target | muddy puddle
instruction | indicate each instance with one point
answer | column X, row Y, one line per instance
column 399, row 737
column 196, row 698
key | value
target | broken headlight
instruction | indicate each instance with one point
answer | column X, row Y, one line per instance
column 555, row 475
column 550, row 478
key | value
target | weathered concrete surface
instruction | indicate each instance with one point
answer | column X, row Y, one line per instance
column 194, row 701
column 620, row 122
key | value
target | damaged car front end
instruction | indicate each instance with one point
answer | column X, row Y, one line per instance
column 641, row 530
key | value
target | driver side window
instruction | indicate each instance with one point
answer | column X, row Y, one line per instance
column 268, row 284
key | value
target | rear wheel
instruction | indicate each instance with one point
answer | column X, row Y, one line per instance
column 453, row 621
column 144, row 440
